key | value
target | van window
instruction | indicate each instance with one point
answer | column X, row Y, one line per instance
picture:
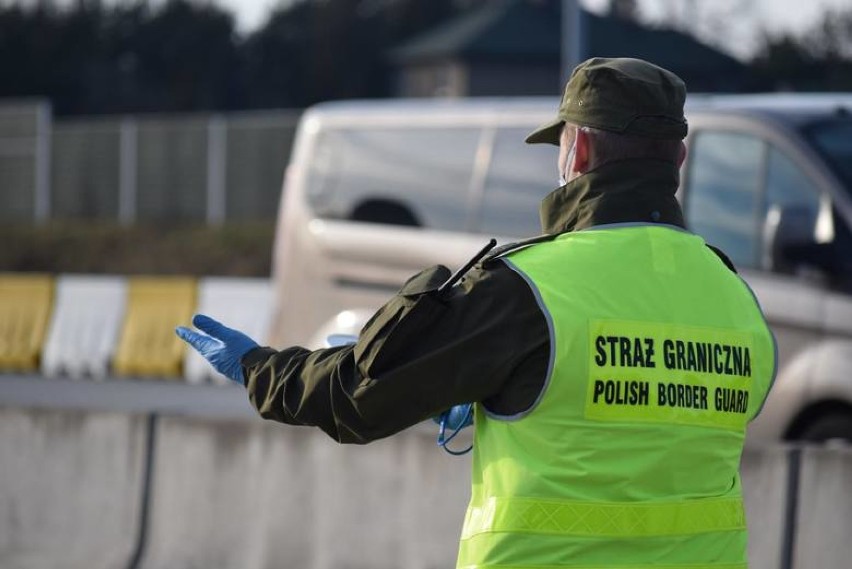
column 404, row 176
column 787, row 185
column 833, row 140
column 723, row 193
column 519, row 177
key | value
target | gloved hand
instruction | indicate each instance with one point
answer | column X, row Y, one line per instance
column 223, row 347
column 457, row 417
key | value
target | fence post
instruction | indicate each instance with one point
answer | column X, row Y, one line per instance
column 572, row 42
column 142, row 537
column 127, row 171
column 217, row 148
column 791, row 514
column 41, row 206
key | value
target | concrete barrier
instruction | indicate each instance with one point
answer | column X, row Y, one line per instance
column 824, row 536
column 84, row 328
column 400, row 504
column 25, row 304
column 240, row 303
column 102, row 325
column 148, row 346
column 255, row 496
column 70, row 488
column 764, row 476
column 205, row 505
column 230, row 491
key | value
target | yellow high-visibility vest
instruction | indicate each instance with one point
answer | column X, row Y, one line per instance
column 660, row 356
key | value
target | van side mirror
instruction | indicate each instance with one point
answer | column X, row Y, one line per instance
column 788, row 239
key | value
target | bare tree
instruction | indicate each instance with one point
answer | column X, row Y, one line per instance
column 721, row 23
column 624, row 9
column 818, row 59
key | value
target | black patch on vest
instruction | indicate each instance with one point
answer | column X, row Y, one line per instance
column 723, row 257
column 508, row 248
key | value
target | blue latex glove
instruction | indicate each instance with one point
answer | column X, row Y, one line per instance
column 223, row 347
column 457, row 417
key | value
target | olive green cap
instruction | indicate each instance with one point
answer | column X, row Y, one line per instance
column 623, row 95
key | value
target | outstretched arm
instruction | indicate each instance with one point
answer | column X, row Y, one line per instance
column 418, row 356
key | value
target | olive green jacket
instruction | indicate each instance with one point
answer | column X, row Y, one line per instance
column 485, row 340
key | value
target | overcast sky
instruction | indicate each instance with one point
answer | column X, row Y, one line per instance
column 735, row 24
column 739, row 34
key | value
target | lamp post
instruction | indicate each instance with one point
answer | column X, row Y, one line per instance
column 572, row 37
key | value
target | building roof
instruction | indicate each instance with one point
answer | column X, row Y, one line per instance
column 502, row 29
column 607, row 36
column 521, row 29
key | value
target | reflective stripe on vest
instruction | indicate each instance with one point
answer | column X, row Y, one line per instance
column 713, row 566
column 604, row 519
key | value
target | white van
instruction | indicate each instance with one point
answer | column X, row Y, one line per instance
column 377, row 190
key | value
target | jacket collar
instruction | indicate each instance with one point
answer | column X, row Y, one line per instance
column 626, row 191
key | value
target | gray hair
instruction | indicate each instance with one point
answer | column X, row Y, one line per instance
column 607, row 146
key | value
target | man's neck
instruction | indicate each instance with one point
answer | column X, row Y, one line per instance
column 636, row 191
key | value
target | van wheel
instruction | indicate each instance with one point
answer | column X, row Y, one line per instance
column 384, row 211
column 832, row 427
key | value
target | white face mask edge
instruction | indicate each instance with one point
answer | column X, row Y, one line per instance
column 570, row 159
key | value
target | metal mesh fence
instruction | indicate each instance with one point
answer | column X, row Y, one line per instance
column 85, row 169
column 172, row 169
column 258, row 150
column 19, row 154
column 165, row 168
column 17, row 182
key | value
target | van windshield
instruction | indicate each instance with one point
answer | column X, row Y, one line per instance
column 394, row 175
column 833, row 139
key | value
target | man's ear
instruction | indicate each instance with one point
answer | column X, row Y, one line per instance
column 582, row 152
column 681, row 155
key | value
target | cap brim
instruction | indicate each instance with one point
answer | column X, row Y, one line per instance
column 547, row 134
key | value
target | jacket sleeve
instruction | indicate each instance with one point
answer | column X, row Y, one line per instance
column 420, row 354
